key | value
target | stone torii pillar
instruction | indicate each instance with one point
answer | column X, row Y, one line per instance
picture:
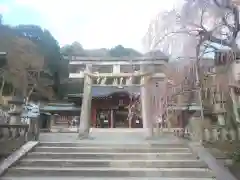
column 85, row 117
column 145, row 103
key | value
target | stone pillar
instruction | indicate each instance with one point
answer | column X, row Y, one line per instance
column 15, row 113
column 52, row 122
column 14, row 119
column 112, row 118
column 130, row 118
column 168, row 120
column 85, row 116
column 34, row 128
column 221, row 119
column 235, row 108
column 196, row 128
column 145, row 102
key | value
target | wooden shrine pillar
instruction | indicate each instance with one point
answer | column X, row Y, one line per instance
column 85, row 116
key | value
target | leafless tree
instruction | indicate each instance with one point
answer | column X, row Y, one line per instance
column 24, row 63
column 194, row 29
column 194, row 26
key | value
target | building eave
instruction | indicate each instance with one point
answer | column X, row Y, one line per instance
column 59, row 109
column 3, row 53
column 107, row 91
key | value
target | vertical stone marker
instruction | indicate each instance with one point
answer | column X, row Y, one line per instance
column 85, row 116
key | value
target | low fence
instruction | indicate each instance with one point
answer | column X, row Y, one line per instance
column 213, row 134
column 13, row 136
column 221, row 134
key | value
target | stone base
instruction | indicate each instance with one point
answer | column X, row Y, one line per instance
column 84, row 135
column 148, row 133
column 150, row 138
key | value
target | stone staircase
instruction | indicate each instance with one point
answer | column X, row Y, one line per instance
column 109, row 161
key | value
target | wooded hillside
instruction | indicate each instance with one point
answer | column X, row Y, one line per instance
column 34, row 65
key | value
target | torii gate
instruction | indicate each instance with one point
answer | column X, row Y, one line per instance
column 116, row 79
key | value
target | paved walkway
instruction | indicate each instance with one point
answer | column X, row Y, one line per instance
column 118, row 136
column 136, row 137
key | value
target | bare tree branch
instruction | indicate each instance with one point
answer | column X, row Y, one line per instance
column 233, row 9
column 201, row 19
column 218, row 4
column 189, row 32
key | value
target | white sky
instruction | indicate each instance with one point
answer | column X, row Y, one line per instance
column 96, row 23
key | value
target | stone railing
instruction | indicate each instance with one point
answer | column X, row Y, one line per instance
column 214, row 134
column 8, row 131
column 13, row 136
column 180, row 132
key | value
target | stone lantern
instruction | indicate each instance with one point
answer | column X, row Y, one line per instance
column 15, row 113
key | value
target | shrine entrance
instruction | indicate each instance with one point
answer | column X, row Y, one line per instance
column 111, row 110
column 102, row 118
column 121, row 73
column 114, row 118
column 116, row 80
column 121, row 118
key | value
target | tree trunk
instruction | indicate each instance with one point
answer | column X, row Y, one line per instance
column 2, row 86
column 1, row 91
column 29, row 94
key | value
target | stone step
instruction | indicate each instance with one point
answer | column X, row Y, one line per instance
column 142, row 145
column 148, row 163
column 99, row 178
column 109, row 149
column 110, row 156
column 109, row 172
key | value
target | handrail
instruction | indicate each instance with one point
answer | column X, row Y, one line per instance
column 12, row 137
column 13, row 131
column 14, row 126
column 29, row 131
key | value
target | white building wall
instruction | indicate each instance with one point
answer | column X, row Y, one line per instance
column 116, row 68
